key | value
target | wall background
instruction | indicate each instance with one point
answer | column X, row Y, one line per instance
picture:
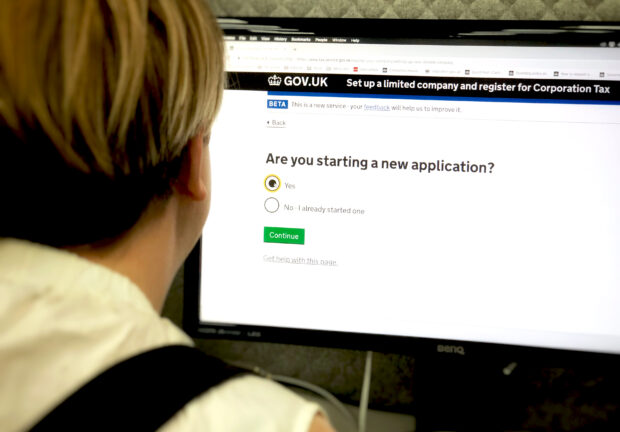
column 554, row 398
column 590, row 10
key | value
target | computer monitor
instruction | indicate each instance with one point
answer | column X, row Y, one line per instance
column 446, row 187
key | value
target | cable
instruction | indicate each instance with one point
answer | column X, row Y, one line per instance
column 305, row 385
column 365, row 393
column 320, row 391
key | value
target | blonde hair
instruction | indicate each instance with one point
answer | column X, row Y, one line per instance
column 115, row 88
column 102, row 67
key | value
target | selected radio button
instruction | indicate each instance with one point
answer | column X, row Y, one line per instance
column 272, row 183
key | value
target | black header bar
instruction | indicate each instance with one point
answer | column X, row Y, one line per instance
column 578, row 90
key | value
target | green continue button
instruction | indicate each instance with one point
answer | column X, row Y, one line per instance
column 285, row 235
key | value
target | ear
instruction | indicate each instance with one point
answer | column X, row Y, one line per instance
column 191, row 182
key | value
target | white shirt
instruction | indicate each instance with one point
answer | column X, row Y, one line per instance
column 64, row 320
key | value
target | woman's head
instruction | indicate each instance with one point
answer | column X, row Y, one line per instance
column 98, row 100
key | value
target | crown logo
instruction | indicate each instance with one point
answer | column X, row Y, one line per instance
column 274, row 80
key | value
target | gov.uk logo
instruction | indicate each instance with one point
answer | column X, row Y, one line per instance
column 274, row 80
column 277, row 104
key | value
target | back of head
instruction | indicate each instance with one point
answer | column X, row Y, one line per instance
column 98, row 99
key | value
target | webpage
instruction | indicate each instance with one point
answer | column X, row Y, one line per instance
column 453, row 207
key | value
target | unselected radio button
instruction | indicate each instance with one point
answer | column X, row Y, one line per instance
column 272, row 205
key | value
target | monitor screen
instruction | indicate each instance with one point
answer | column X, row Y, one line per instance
column 376, row 184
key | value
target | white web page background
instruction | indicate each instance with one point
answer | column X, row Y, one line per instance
column 530, row 247
column 525, row 253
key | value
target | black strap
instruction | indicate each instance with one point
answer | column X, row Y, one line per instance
column 139, row 394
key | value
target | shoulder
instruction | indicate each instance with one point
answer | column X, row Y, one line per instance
column 247, row 403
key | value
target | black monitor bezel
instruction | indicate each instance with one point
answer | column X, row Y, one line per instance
column 407, row 31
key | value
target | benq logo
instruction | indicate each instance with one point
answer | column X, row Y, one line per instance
column 451, row 349
column 305, row 81
column 277, row 104
column 274, row 80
